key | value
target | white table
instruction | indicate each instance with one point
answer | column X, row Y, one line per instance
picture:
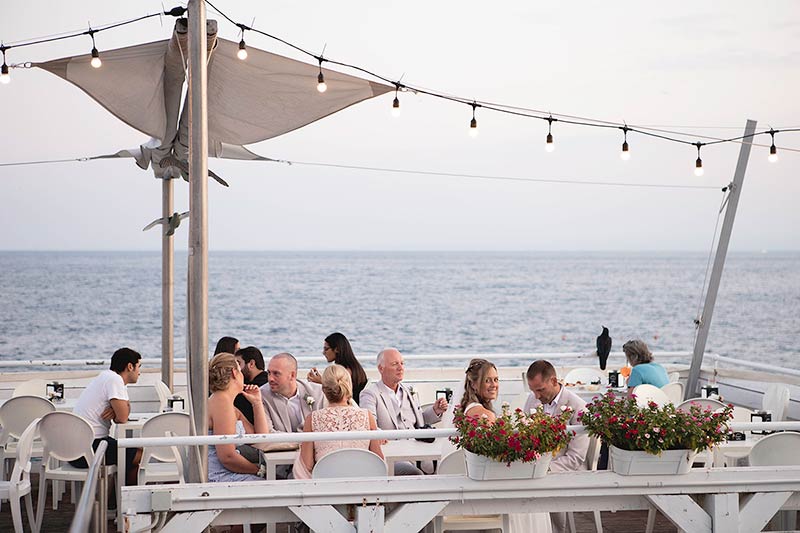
column 66, row 405
column 735, row 448
column 396, row 451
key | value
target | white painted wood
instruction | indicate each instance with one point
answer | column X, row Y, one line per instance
column 683, row 512
column 757, row 509
column 196, row 521
column 323, row 519
column 140, row 523
column 371, row 518
column 412, row 516
column 724, row 511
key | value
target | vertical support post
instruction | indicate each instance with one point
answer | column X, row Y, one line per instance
column 167, row 285
column 692, row 389
column 197, row 366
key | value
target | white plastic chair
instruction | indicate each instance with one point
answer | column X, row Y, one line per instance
column 585, row 375
column 146, row 399
column 776, row 401
column 702, row 403
column 674, row 392
column 349, row 462
column 159, row 465
column 453, row 464
column 778, row 449
column 32, row 387
column 592, row 456
column 650, row 393
column 65, row 437
column 20, row 483
column 674, row 377
column 16, row 415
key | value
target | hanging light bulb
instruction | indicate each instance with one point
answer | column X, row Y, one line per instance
column 321, row 85
column 625, row 154
column 549, row 146
column 698, row 165
column 5, row 77
column 773, row 150
column 473, row 124
column 242, row 52
column 95, row 62
column 396, row 102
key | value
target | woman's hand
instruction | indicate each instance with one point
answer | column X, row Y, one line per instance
column 314, row 376
column 252, row 393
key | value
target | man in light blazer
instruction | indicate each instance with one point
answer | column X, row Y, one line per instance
column 554, row 397
column 392, row 404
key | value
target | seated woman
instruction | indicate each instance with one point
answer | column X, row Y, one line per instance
column 225, row 381
column 481, row 387
column 339, row 415
column 644, row 371
column 337, row 349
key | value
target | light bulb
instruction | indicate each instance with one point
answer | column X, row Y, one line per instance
column 96, row 63
column 321, row 85
column 5, row 77
column 625, row 154
column 396, row 107
column 473, row 127
column 773, row 154
column 242, row 53
column 698, row 167
column 549, row 145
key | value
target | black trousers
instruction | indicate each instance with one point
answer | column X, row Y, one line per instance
column 111, row 454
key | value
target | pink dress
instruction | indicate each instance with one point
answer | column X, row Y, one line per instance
column 340, row 418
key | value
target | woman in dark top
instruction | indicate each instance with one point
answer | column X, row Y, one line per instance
column 337, row 349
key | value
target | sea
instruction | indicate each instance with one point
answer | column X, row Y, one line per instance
column 85, row 305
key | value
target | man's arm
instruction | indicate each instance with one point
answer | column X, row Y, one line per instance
column 369, row 401
column 575, row 456
column 122, row 410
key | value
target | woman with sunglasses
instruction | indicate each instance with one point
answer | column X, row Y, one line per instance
column 337, row 349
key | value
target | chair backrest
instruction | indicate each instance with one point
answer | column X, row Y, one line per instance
column 776, row 400
column 593, row 453
column 649, row 393
column 518, row 402
column 674, row 392
column 66, row 437
column 778, row 449
column 741, row 414
column 585, row 375
column 452, row 464
column 22, row 466
column 145, row 399
column 349, row 462
column 17, row 414
column 32, row 387
column 175, row 423
column 702, row 403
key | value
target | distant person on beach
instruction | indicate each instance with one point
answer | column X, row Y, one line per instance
column 394, row 407
column 104, row 399
column 644, row 371
column 226, row 381
column 227, row 345
column 336, row 349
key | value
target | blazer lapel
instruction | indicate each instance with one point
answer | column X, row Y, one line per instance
column 389, row 403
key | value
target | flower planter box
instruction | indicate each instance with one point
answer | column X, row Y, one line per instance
column 636, row 462
column 480, row 467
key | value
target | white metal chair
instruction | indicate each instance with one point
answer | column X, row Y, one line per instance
column 674, row 391
column 349, row 462
column 650, row 393
column 32, row 387
column 702, row 403
column 159, row 465
column 20, row 483
column 15, row 417
column 592, row 456
column 65, row 437
column 776, row 401
column 585, row 375
column 453, row 464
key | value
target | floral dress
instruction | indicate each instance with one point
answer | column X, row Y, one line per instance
column 339, row 418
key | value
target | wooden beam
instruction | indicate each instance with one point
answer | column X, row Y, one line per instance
column 683, row 512
column 412, row 516
column 323, row 518
column 195, row 521
column 757, row 509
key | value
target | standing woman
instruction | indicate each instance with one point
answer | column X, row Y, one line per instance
column 337, row 349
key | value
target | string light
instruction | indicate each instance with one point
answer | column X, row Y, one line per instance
column 321, row 85
column 473, row 124
column 396, row 102
column 5, row 77
column 549, row 146
column 698, row 165
column 242, row 53
column 95, row 62
column 625, row 154
column 773, row 150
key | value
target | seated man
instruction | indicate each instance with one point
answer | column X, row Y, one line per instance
column 105, row 399
column 552, row 396
column 251, row 363
column 394, row 407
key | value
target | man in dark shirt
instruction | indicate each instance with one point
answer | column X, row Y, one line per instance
column 251, row 363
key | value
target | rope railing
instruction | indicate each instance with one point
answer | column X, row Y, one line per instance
column 83, row 512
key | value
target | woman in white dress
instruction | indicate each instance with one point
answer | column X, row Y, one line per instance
column 481, row 387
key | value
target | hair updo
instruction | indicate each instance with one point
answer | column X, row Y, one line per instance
column 336, row 383
column 219, row 371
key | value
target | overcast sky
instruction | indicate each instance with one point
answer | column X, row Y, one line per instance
column 703, row 67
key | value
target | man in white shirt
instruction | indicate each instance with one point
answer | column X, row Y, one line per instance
column 105, row 399
column 393, row 406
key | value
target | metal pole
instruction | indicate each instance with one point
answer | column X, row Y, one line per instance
column 692, row 390
column 167, row 284
column 198, row 233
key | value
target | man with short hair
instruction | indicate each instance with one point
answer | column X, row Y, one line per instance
column 288, row 400
column 392, row 404
column 105, row 399
column 251, row 363
column 554, row 398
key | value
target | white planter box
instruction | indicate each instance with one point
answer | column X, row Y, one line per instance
column 480, row 467
column 635, row 463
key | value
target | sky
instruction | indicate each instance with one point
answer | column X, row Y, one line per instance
column 697, row 67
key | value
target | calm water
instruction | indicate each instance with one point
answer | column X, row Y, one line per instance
column 75, row 305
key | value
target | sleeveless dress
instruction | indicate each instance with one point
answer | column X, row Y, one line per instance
column 217, row 471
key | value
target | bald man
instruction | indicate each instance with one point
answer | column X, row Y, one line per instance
column 288, row 400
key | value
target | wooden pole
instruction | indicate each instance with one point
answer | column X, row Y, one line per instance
column 167, row 285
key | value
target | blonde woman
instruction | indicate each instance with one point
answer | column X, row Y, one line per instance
column 339, row 415
column 225, row 381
